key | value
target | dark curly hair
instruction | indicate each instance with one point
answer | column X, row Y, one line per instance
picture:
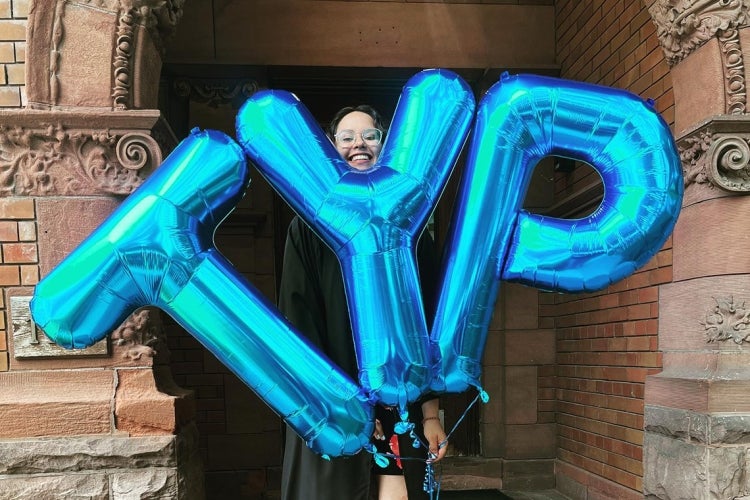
column 362, row 108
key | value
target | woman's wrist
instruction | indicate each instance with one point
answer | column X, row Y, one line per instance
column 430, row 418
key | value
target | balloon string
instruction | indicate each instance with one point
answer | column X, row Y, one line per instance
column 481, row 394
column 431, row 485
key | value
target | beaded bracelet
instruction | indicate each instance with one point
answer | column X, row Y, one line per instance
column 429, row 418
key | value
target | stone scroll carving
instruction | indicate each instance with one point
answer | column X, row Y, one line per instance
column 717, row 153
column 684, row 25
column 728, row 321
column 56, row 154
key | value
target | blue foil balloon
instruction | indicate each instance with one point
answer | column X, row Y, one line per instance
column 157, row 249
column 372, row 219
column 522, row 119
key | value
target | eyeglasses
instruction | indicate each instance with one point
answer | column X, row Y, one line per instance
column 371, row 137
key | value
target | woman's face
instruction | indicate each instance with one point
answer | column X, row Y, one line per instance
column 361, row 153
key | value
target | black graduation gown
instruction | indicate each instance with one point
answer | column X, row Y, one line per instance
column 313, row 298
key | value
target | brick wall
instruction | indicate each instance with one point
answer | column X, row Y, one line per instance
column 13, row 14
column 18, row 255
column 607, row 341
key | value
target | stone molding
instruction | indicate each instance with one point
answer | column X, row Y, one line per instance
column 215, row 92
column 684, row 25
column 717, row 152
column 54, row 153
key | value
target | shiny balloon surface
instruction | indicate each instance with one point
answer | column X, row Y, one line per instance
column 521, row 120
column 371, row 219
column 157, row 247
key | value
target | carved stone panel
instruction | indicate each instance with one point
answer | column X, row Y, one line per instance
column 54, row 153
column 29, row 341
column 728, row 320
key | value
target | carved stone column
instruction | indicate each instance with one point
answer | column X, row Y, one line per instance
column 697, row 415
column 97, row 53
column 90, row 136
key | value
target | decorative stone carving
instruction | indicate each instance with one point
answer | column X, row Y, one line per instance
column 54, row 53
column 728, row 321
column 684, row 25
column 58, row 153
column 692, row 149
column 734, row 72
column 123, row 60
column 717, row 152
column 161, row 16
column 142, row 332
column 215, row 92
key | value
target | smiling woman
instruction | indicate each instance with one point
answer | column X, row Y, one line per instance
column 357, row 132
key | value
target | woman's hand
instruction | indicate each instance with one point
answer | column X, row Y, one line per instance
column 378, row 434
column 433, row 430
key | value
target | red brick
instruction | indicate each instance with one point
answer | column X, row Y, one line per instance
column 660, row 276
column 641, row 343
column 9, row 275
column 20, row 51
column 26, row 230
column 8, row 231
column 16, row 73
column 29, row 275
column 11, row 30
column 650, row 294
column 21, row 8
column 19, row 253
column 640, row 311
column 10, row 97
column 16, row 208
